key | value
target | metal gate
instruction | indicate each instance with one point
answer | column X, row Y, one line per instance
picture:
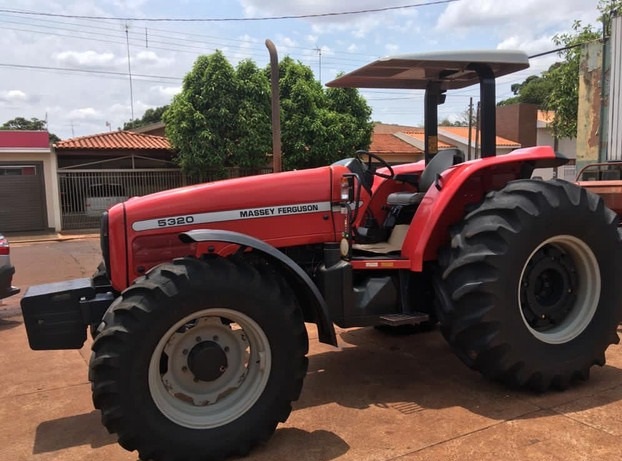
column 79, row 188
column 22, row 197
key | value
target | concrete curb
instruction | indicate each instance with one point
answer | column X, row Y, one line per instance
column 10, row 312
column 19, row 239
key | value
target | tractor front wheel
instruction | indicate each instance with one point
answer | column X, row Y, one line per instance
column 529, row 290
column 199, row 360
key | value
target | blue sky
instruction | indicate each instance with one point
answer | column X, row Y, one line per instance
column 37, row 50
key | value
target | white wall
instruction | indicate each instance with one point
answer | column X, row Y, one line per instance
column 565, row 146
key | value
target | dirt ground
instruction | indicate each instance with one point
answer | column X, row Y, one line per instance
column 377, row 397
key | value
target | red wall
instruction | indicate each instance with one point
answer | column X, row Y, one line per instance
column 18, row 138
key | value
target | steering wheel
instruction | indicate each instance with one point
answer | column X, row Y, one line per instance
column 371, row 156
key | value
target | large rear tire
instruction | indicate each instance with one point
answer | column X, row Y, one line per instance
column 199, row 360
column 529, row 291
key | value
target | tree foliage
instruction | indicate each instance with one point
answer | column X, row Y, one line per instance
column 152, row 115
column 201, row 121
column 222, row 117
column 563, row 96
column 465, row 118
column 34, row 124
column 534, row 90
column 557, row 89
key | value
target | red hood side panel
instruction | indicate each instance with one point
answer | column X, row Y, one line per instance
column 465, row 184
column 282, row 209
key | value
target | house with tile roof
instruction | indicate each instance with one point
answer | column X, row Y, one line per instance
column 129, row 163
column 518, row 125
column 402, row 144
column 115, row 149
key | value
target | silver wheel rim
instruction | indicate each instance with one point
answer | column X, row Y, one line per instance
column 217, row 400
column 582, row 296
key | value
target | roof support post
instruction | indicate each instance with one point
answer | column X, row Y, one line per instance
column 488, row 108
column 432, row 99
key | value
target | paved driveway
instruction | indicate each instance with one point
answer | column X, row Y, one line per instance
column 378, row 397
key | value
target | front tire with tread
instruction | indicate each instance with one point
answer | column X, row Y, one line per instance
column 144, row 385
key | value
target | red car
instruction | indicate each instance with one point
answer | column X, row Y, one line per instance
column 6, row 270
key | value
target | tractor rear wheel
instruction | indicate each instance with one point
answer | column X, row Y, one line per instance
column 529, row 292
column 199, row 360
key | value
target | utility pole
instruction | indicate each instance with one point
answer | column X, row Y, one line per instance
column 129, row 68
column 470, row 127
column 319, row 53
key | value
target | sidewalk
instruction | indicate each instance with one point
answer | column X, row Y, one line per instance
column 30, row 237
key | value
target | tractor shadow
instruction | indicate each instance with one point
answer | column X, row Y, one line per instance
column 415, row 372
column 292, row 443
column 6, row 323
column 72, row 431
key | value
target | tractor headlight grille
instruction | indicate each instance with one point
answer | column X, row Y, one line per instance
column 105, row 242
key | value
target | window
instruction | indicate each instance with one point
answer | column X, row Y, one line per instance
column 18, row 170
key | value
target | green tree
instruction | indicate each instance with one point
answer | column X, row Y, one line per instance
column 201, row 120
column 254, row 139
column 557, row 88
column 563, row 77
column 152, row 115
column 34, row 124
column 222, row 117
column 534, row 90
column 319, row 126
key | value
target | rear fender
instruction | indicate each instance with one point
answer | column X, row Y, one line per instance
column 467, row 183
column 310, row 298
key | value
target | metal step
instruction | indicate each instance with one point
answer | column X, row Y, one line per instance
column 394, row 320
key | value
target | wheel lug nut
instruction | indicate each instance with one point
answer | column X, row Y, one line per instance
column 185, row 352
column 184, row 369
column 198, row 338
column 226, row 348
column 215, row 338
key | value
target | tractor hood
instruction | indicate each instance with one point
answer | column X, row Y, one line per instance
column 283, row 209
column 234, row 203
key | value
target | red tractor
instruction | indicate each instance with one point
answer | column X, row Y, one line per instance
column 199, row 310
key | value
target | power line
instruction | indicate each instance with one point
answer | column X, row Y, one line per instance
column 91, row 71
column 264, row 18
column 563, row 48
column 192, row 47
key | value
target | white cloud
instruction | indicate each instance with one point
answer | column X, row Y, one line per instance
column 506, row 13
column 151, row 58
column 357, row 24
column 13, row 96
column 86, row 113
column 84, row 58
column 169, row 91
column 392, row 48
